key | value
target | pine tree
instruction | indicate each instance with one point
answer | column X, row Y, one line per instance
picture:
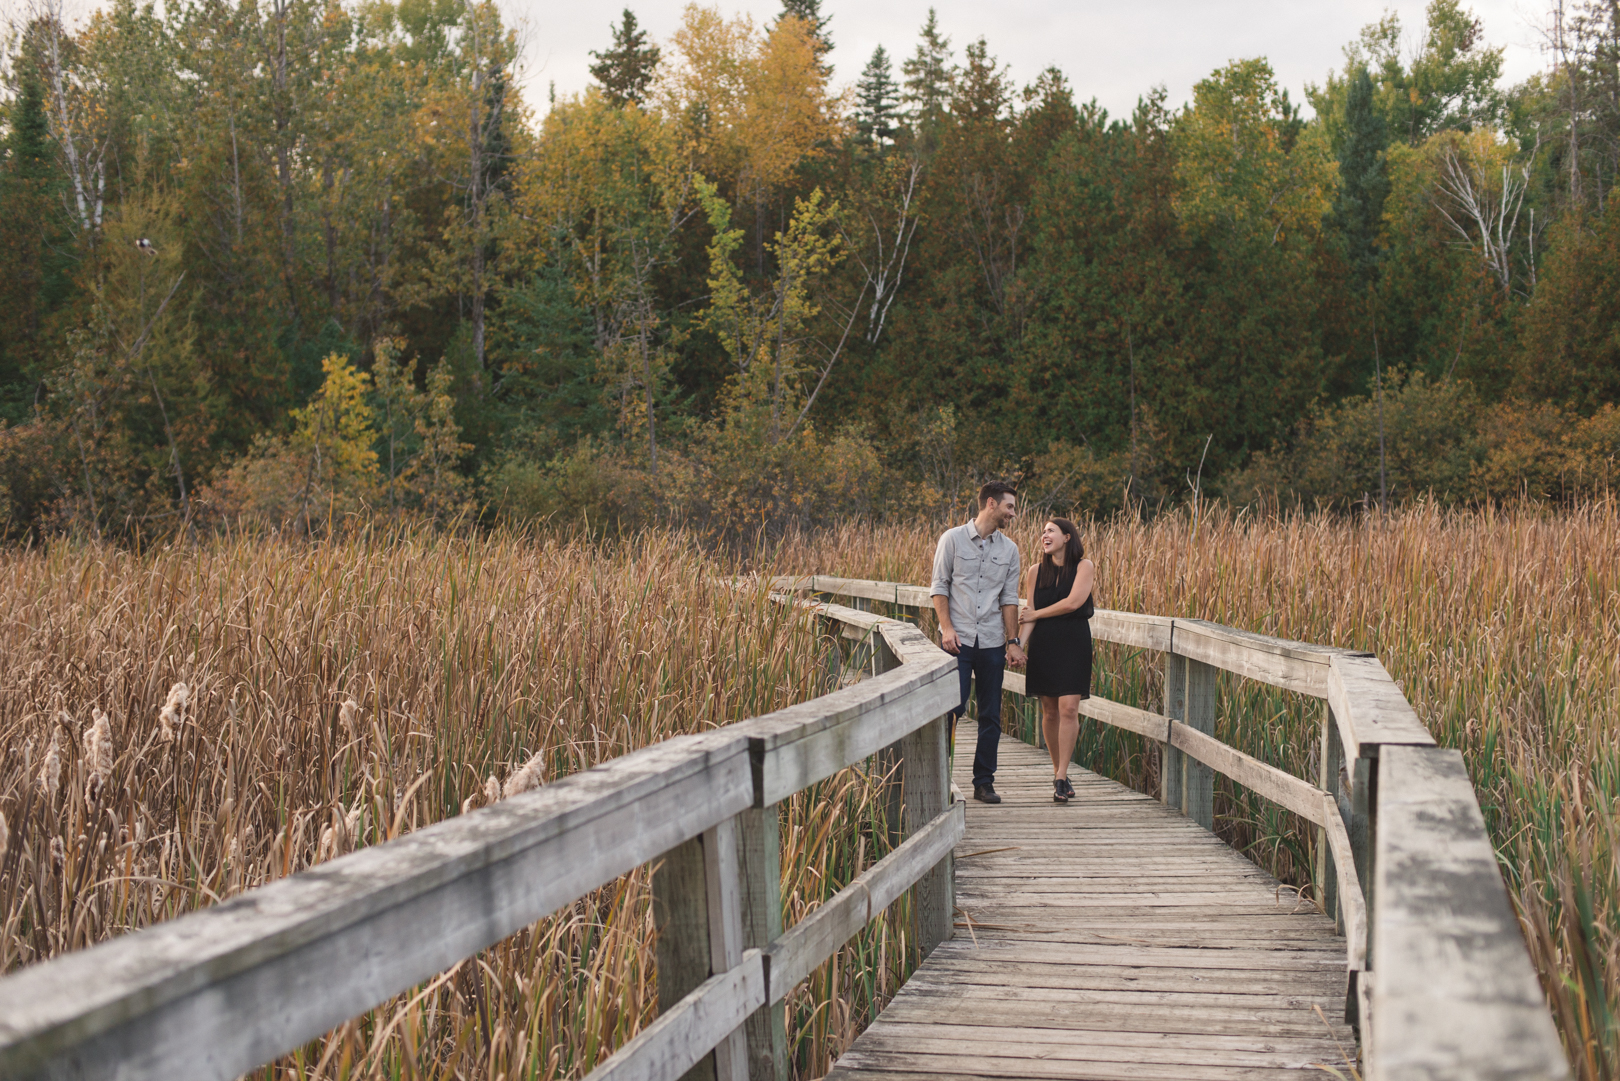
column 1363, row 182
column 930, row 75
column 626, row 70
column 810, row 12
column 876, row 97
column 38, row 257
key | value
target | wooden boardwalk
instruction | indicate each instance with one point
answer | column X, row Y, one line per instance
column 1110, row 938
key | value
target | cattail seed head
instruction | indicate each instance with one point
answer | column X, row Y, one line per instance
column 50, row 770
column 526, row 778
column 173, row 713
column 98, row 754
column 492, row 790
column 58, row 855
column 349, row 713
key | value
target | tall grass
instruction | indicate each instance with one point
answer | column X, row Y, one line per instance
column 1502, row 627
column 340, row 694
column 466, row 659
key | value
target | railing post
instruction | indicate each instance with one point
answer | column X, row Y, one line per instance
column 1198, row 783
column 865, row 654
column 1362, row 827
column 928, row 794
column 759, row 849
column 1329, row 762
column 1175, row 708
column 698, row 907
column 889, row 760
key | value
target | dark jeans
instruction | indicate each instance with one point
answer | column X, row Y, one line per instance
column 986, row 664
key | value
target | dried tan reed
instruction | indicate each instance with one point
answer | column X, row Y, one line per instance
column 287, row 703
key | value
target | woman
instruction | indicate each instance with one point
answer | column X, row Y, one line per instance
column 1059, row 642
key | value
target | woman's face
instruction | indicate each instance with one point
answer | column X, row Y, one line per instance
column 1052, row 538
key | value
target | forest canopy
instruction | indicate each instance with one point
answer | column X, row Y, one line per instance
column 294, row 262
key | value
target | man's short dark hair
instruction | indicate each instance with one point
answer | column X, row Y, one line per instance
column 995, row 490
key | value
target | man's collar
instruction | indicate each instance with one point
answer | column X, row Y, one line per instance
column 973, row 524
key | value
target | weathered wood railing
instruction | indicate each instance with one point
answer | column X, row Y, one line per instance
column 216, row 993
column 1440, row 982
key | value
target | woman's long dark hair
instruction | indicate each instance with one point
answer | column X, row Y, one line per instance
column 1073, row 553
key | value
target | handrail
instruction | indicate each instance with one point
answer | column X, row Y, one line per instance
column 1440, row 982
column 188, row 998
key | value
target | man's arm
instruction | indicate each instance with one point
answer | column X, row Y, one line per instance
column 1009, row 622
column 1009, row 610
column 947, row 633
column 944, row 564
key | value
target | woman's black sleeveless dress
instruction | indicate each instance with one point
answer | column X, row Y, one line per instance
column 1060, row 646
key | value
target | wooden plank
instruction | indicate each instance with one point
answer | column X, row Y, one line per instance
column 1294, row 666
column 954, row 1067
column 1124, row 979
column 333, row 941
column 1104, row 1045
column 1128, row 1017
column 759, row 851
column 802, row 744
column 684, row 1034
column 1301, row 797
column 1132, row 629
column 1172, row 767
column 892, row 592
column 1198, row 779
column 1330, row 760
column 926, row 784
column 910, row 644
column 791, row 959
column 722, row 873
column 1352, row 903
column 1140, row 721
column 681, row 913
column 1453, row 991
column 1143, row 722
column 1370, row 709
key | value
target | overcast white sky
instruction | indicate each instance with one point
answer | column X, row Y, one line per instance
column 1113, row 51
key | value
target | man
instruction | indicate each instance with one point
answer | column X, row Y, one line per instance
column 975, row 595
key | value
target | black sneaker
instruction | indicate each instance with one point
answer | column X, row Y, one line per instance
column 985, row 793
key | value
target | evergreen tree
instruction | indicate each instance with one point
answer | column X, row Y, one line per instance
column 497, row 149
column 930, row 76
column 626, row 70
column 876, row 97
column 33, row 247
column 1363, row 182
column 810, row 12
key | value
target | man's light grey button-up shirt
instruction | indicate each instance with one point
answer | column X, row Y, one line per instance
column 979, row 575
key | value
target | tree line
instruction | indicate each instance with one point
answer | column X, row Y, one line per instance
column 297, row 260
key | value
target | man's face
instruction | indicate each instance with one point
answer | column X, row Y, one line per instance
column 1003, row 511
